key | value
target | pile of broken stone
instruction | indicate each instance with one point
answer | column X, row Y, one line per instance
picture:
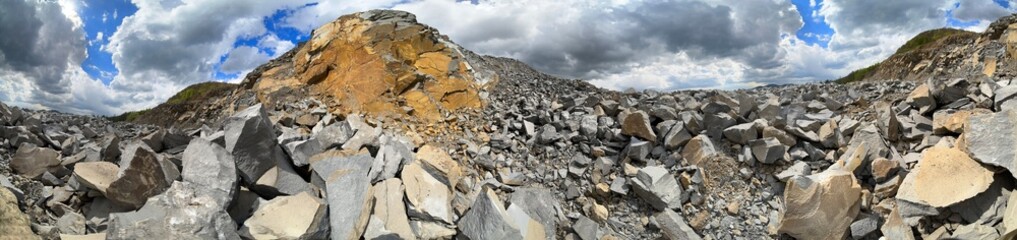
column 261, row 176
column 551, row 159
column 901, row 160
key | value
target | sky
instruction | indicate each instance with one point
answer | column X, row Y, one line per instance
column 105, row 57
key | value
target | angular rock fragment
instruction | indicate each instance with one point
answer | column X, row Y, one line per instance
column 96, row 175
column 528, row 227
column 142, row 175
column 31, row 161
column 637, row 124
column 289, row 217
column 487, row 219
column 347, row 189
column 427, row 198
column 15, row 223
column 186, row 210
column 948, row 176
column 921, row 98
column 437, row 162
column 389, row 209
column 540, row 205
column 250, row 137
column 301, row 151
column 676, row 137
column 698, row 150
column 210, row 165
column 658, row 187
column 673, row 226
column 992, row 139
column 741, row 133
column 820, row 206
column 767, row 150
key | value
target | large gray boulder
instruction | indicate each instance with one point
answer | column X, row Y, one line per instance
column 541, row 205
column 142, row 175
column 488, row 220
column 673, row 226
column 185, row 211
column 209, row 164
column 637, row 124
column 741, row 133
column 31, row 161
column 250, row 137
column 992, row 139
column 658, row 187
column 289, row 217
column 347, row 190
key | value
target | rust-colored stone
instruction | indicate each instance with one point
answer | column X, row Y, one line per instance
column 380, row 63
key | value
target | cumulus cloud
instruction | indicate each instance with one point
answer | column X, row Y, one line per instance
column 166, row 46
column 660, row 44
column 979, row 10
column 598, row 39
column 41, row 50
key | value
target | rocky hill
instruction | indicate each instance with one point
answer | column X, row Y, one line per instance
column 381, row 128
column 949, row 53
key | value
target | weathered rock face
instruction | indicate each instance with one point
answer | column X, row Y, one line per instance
column 185, row 211
column 289, row 217
column 381, row 62
column 992, row 139
column 948, row 176
column 15, row 223
column 820, row 206
column 96, row 175
column 210, row 165
column 31, row 161
column 487, row 219
column 347, row 189
column 141, row 176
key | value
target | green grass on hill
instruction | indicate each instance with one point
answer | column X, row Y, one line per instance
column 195, row 90
column 857, row 75
column 128, row 116
column 919, row 41
column 927, row 37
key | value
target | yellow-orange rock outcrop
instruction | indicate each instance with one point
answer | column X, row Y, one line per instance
column 382, row 63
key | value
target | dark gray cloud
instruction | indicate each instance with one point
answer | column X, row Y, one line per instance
column 591, row 40
column 974, row 10
column 38, row 41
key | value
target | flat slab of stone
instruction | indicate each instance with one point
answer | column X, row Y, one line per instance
column 141, row 176
column 390, row 210
column 820, row 206
column 185, row 211
column 488, row 220
column 949, row 176
column 96, row 175
column 426, row 197
column 250, row 137
column 637, row 124
column 347, row 189
column 673, row 225
column 31, row 161
column 15, row 223
column 992, row 139
column 209, row 164
column 440, row 164
column 289, row 217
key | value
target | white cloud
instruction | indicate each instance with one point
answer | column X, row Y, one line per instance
column 618, row 44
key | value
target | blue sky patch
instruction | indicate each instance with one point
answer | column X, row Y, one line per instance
column 102, row 16
column 815, row 30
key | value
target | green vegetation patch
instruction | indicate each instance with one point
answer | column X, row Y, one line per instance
column 197, row 90
column 928, row 37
